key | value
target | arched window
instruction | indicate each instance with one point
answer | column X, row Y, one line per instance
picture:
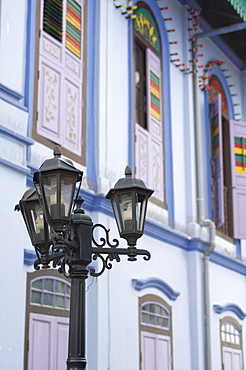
column 220, row 155
column 230, row 334
column 231, row 344
column 155, row 333
column 148, row 86
column 156, row 315
column 50, row 292
column 228, row 164
column 47, row 320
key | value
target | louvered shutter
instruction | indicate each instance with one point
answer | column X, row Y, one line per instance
column 60, row 73
column 217, row 161
column 142, row 154
column 238, row 170
column 154, row 123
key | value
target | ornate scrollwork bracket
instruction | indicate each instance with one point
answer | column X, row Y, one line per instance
column 61, row 251
column 112, row 252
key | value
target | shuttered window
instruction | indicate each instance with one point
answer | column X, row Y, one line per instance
column 228, row 166
column 60, row 102
column 149, row 148
column 221, row 161
column 231, row 344
column 155, row 333
column 238, row 173
column 217, row 161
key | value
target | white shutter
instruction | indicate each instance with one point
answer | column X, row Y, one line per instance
column 149, row 143
column 154, row 122
column 61, row 76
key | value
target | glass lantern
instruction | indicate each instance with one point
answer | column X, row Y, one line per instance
column 55, row 182
column 36, row 224
column 129, row 199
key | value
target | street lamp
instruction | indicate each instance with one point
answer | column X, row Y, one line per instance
column 67, row 239
column 36, row 224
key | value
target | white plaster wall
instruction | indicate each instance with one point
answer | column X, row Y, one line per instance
column 118, row 322
column 112, row 325
column 113, row 93
column 13, row 43
column 14, row 239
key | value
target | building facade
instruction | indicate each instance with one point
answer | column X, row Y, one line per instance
column 160, row 86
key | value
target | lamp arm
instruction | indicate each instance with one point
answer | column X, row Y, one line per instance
column 45, row 261
column 114, row 254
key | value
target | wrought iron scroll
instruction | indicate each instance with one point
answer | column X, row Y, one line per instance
column 99, row 250
column 112, row 252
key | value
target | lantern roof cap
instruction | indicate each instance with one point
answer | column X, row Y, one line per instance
column 30, row 193
column 57, row 163
column 129, row 182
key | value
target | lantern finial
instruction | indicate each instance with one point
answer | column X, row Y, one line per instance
column 128, row 171
column 57, row 151
column 78, row 202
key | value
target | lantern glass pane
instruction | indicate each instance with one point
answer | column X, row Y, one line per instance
column 50, row 190
column 117, row 213
column 142, row 205
column 34, row 220
column 126, row 210
column 37, row 216
column 67, row 193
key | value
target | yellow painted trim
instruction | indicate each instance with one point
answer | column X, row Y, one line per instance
column 216, row 131
column 75, row 23
column 239, row 151
column 155, row 114
column 217, row 151
column 72, row 48
column 241, row 170
column 154, row 92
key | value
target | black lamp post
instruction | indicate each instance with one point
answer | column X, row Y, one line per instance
column 67, row 239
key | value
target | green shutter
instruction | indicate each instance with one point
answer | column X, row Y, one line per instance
column 52, row 19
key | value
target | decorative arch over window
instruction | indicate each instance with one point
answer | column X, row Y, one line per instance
column 215, row 89
column 152, row 282
column 146, row 26
column 230, row 307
